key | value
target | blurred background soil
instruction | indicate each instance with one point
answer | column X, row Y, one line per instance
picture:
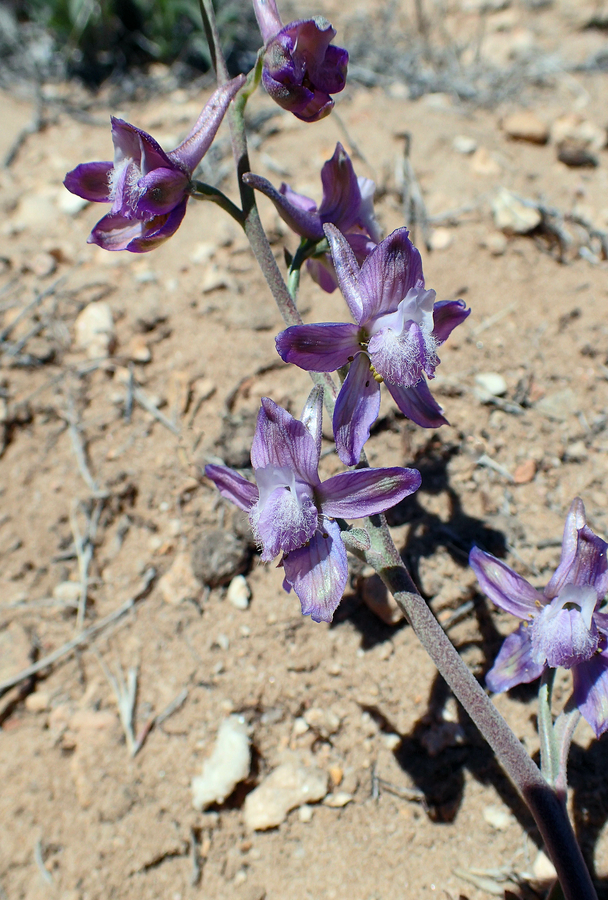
column 483, row 124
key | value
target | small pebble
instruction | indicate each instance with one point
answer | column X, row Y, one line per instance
column 491, row 382
column 464, row 144
column 441, row 238
column 239, row 592
column 526, row 126
column 289, row 785
column 512, row 215
column 338, row 800
column 525, row 472
column 305, row 813
column 543, row 868
column 94, row 328
column 228, row 764
column 497, row 817
column 484, row 164
column 496, row 243
column 137, row 349
column 71, row 204
column 217, row 556
column 67, row 592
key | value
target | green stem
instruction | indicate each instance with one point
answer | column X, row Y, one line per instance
column 202, row 191
column 549, row 754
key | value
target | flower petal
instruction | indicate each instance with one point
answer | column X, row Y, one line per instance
column 318, row 573
column 91, row 181
column 318, row 348
column 298, row 200
column 418, row 404
column 134, row 144
column 504, row 587
column 190, row 152
column 341, row 195
column 156, row 230
column 447, row 315
column 561, row 637
column 590, row 691
column 403, row 357
column 388, row 273
column 284, row 442
column 365, row 492
column 347, row 271
column 285, row 520
column 115, row 232
column 514, row 663
column 330, row 75
column 304, row 222
column 584, row 560
column 233, row 486
column 161, row 191
column 356, row 410
column 321, row 270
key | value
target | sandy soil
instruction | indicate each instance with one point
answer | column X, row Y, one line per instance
column 80, row 817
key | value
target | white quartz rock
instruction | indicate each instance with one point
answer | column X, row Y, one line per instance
column 288, row 786
column 228, row 764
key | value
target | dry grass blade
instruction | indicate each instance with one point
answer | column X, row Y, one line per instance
column 125, row 693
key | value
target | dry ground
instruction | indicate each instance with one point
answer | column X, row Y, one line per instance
column 80, row 818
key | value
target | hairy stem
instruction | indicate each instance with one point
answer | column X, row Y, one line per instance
column 548, row 749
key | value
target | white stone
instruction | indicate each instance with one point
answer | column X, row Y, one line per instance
column 497, row 817
column 496, row 243
column 305, row 813
column 71, row 204
column 94, row 328
column 67, row 592
column 239, row 592
column 543, row 868
column 464, row 144
column 491, row 382
column 323, row 721
column 338, row 800
column 441, row 238
column 288, row 786
column 513, row 215
column 228, row 764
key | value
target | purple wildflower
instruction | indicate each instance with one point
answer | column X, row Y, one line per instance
column 348, row 203
column 398, row 329
column 292, row 512
column 301, row 68
column 562, row 626
column 148, row 188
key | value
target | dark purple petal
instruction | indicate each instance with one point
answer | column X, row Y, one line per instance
column 284, row 442
column 341, row 195
column 284, row 520
column 514, row 663
column 356, row 410
column 588, row 565
column 269, row 21
column 504, row 587
column 418, row 404
column 330, row 76
column 310, row 39
column 312, row 416
column 388, row 273
column 347, row 272
column 590, row 691
column 161, row 191
column 566, row 636
column 306, row 224
column 233, row 486
column 365, row 492
column 361, row 245
column 447, row 314
column 318, row 348
column 318, row 573
column 190, row 152
column 91, row 181
column 322, row 272
column 155, row 231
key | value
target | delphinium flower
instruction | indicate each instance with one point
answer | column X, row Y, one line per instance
column 347, row 203
column 562, row 625
column 293, row 512
column 301, row 67
column 148, row 188
column 398, row 329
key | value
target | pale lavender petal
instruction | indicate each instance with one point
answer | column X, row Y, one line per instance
column 304, row 222
column 322, row 272
column 562, row 638
column 590, row 691
column 318, row 573
column 388, row 273
column 575, row 520
column 418, row 404
column 312, row 416
column 284, row 442
column 161, row 191
column 402, row 358
column 269, row 21
column 91, row 181
column 190, row 152
column 287, row 520
column 115, row 232
column 233, row 486
column 341, row 196
column 365, row 492
column 447, row 315
column 356, row 410
column 318, row 348
column 347, row 272
column 504, row 587
column 298, row 200
column 514, row 663
column 156, row 230
column 361, row 245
